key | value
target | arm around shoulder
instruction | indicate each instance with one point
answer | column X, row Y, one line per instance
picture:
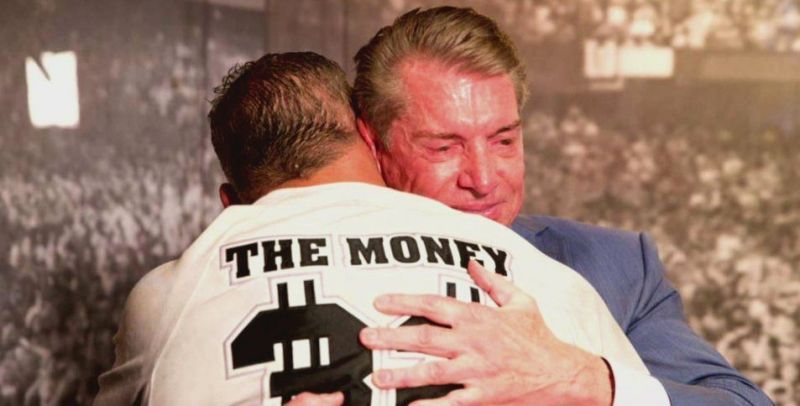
column 124, row 383
column 690, row 369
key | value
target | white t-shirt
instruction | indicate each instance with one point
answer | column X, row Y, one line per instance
column 269, row 300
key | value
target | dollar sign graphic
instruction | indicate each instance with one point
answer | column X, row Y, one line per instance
column 408, row 395
column 342, row 367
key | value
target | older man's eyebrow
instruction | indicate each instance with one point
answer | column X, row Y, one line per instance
column 446, row 136
column 449, row 136
column 511, row 127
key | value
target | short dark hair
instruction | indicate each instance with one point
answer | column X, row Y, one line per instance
column 457, row 37
column 280, row 118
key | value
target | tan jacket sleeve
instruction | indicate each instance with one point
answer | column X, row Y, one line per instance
column 126, row 382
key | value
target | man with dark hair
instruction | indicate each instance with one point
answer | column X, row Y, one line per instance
column 291, row 121
column 268, row 303
column 438, row 95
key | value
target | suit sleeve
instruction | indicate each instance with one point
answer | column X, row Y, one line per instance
column 126, row 381
column 691, row 370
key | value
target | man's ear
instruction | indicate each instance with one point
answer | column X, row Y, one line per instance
column 228, row 195
column 369, row 136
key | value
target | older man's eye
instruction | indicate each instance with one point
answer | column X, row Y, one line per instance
column 442, row 149
column 436, row 148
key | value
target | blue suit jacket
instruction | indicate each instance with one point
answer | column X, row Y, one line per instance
column 625, row 269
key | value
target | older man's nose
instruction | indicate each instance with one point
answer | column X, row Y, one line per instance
column 478, row 172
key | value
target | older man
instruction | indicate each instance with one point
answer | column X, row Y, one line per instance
column 439, row 94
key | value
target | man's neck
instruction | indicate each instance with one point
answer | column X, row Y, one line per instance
column 356, row 164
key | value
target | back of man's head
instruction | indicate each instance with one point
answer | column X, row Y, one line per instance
column 457, row 37
column 280, row 118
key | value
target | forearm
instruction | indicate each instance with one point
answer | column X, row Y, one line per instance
column 593, row 384
column 608, row 383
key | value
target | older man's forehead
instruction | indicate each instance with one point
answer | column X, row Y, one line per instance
column 436, row 101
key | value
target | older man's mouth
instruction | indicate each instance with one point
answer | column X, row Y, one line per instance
column 490, row 210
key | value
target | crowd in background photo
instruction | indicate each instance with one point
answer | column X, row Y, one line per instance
column 721, row 203
column 772, row 25
column 85, row 237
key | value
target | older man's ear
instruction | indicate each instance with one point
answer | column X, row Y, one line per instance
column 228, row 195
column 369, row 136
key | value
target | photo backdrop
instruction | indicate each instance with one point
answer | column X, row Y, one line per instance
column 705, row 159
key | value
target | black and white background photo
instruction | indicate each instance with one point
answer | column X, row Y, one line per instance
column 680, row 118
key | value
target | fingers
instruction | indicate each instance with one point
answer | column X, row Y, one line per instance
column 439, row 309
column 311, row 399
column 427, row 373
column 424, row 338
column 501, row 290
column 466, row 396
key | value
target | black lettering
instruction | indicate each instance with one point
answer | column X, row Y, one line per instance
column 499, row 258
column 271, row 254
column 374, row 248
column 451, row 289
column 309, row 250
column 474, row 295
column 440, row 250
column 467, row 250
column 242, row 254
column 349, row 362
column 399, row 253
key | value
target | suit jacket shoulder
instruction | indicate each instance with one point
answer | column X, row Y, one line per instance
column 613, row 261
